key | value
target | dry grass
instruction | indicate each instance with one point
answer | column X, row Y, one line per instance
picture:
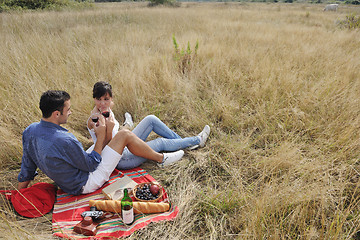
column 278, row 83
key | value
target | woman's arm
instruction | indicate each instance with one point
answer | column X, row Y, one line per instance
column 110, row 123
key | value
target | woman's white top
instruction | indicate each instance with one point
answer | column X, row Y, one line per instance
column 93, row 135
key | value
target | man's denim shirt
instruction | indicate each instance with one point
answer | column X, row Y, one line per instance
column 57, row 153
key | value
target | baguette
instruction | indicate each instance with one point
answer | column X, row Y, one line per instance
column 106, row 205
column 139, row 207
column 150, row 207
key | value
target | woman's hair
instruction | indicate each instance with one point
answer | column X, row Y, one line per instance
column 51, row 101
column 101, row 88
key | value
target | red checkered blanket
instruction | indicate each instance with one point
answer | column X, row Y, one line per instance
column 68, row 208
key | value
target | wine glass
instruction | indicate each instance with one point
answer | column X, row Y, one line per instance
column 105, row 112
column 94, row 118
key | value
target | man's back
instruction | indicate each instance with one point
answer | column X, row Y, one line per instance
column 58, row 154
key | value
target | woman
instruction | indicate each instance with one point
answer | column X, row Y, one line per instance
column 169, row 141
column 102, row 94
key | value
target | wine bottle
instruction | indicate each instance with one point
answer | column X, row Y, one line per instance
column 127, row 211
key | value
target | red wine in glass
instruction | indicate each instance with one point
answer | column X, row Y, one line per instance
column 106, row 114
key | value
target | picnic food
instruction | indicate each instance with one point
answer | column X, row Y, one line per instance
column 144, row 192
column 147, row 192
column 151, row 207
column 154, row 189
column 139, row 207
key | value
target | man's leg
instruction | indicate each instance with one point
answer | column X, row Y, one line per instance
column 141, row 149
column 125, row 138
column 97, row 178
column 111, row 155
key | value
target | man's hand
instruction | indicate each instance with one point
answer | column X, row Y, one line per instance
column 100, row 127
column 22, row 185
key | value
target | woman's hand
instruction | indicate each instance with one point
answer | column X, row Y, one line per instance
column 110, row 123
column 100, row 131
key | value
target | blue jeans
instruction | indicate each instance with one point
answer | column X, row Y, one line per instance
column 169, row 141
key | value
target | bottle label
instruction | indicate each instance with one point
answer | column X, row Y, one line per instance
column 128, row 216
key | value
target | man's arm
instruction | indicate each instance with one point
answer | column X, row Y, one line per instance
column 28, row 166
column 22, row 185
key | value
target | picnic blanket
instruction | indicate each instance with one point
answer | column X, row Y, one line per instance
column 68, row 208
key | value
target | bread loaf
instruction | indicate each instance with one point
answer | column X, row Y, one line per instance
column 150, row 207
column 139, row 207
column 106, row 205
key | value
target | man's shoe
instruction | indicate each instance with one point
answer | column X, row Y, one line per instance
column 170, row 158
column 128, row 120
column 204, row 135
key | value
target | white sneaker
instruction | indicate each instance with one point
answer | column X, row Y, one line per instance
column 128, row 120
column 204, row 135
column 170, row 158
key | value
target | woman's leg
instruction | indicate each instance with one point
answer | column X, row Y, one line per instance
column 152, row 123
column 129, row 160
column 170, row 141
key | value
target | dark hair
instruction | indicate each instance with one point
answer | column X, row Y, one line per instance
column 101, row 88
column 53, row 100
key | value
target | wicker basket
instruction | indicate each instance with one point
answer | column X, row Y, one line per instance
column 160, row 194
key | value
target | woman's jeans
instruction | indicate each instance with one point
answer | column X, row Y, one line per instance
column 169, row 141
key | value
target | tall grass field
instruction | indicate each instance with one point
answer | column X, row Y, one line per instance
column 279, row 85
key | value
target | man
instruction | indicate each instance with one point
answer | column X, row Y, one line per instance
column 56, row 152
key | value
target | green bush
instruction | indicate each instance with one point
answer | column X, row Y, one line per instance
column 184, row 57
column 36, row 4
column 354, row 2
column 163, row 2
column 351, row 22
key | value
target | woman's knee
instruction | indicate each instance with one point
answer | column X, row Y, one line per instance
column 151, row 118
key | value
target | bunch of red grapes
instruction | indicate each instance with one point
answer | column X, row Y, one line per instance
column 147, row 192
